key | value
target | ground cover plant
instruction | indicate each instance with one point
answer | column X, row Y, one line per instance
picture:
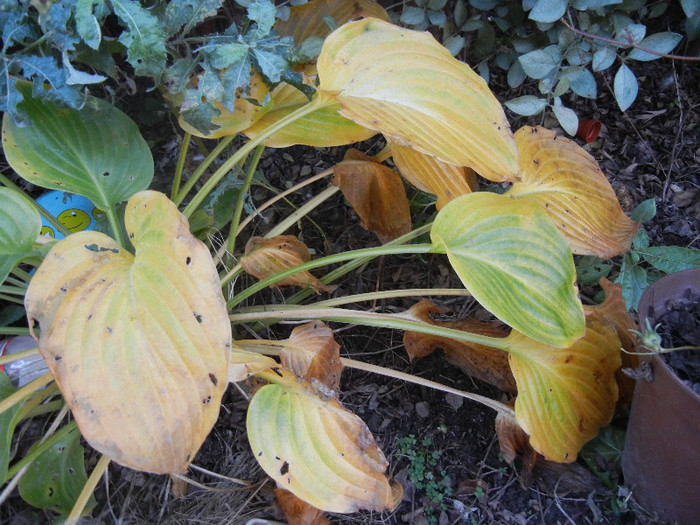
column 135, row 322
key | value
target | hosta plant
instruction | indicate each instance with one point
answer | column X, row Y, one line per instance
column 135, row 323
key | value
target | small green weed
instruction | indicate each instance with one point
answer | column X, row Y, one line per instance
column 424, row 474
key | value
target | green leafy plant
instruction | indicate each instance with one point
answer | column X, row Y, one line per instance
column 422, row 471
column 560, row 44
column 145, row 314
column 642, row 264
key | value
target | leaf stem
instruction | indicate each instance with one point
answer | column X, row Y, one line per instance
column 14, row 330
column 316, row 104
column 252, row 166
column 116, row 225
column 177, row 177
column 26, row 391
column 329, row 259
column 401, row 321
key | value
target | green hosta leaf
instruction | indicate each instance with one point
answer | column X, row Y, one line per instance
column 55, row 479
column 317, row 449
column 8, row 421
column 144, row 38
column 671, row 259
column 515, row 262
column 526, row 105
column 625, row 87
column 659, row 42
column 548, row 11
column 20, row 225
column 97, row 152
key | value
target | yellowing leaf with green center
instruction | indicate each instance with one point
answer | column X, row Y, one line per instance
column 514, row 261
column 565, row 395
column 244, row 115
column 315, row 448
column 308, row 19
column 266, row 257
column 406, row 85
column 312, row 353
column 376, row 193
column 429, row 174
column 138, row 344
column 559, row 175
column 324, row 127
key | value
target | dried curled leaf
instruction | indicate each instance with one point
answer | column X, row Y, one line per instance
column 266, row 257
column 565, row 395
column 407, row 86
column 559, row 175
column 312, row 353
column 479, row 361
column 299, row 512
column 513, row 440
column 315, row 448
column 138, row 344
column 431, row 175
column 376, row 193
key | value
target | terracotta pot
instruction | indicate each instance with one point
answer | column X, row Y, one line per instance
column 661, row 459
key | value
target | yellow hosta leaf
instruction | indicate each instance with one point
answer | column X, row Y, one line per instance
column 559, row 175
column 138, row 344
column 266, row 257
column 308, row 19
column 315, row 448
column 312, row 353
column 325, row 127
column 483, row 362
column 244, row 115
column 376, row 193
column 429, row 174
column 406, row 85
column 244, row 363
column 565, row 395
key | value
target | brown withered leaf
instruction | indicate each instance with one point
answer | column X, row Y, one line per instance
column 266, row 257
column 376, row 193
column 513, row 440
column 479, row 361
column 614, row 310
column 312, row 353
column 298, row 512
column 429, row 174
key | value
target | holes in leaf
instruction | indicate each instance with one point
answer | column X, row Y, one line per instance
column 58, row 358
column 188, row 260
column 198, row 317
column 106, row 174
column 206, row 400
column 284, row 469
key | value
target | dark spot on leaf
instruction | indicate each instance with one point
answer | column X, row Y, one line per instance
column 213, row 379
column 50, row 492
column 198, row 317
column 61, row 448
column 284, row 469
column 58, row 358
column 89, row 317
column 188, row 260
column 187, row 458
column 206, row 400
column 277, row 458
column 109, row 329
column 260, row 453
column 64, row 289
column 106, row 174
column 98, row 249
column 71, row 471
column 131, row 236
